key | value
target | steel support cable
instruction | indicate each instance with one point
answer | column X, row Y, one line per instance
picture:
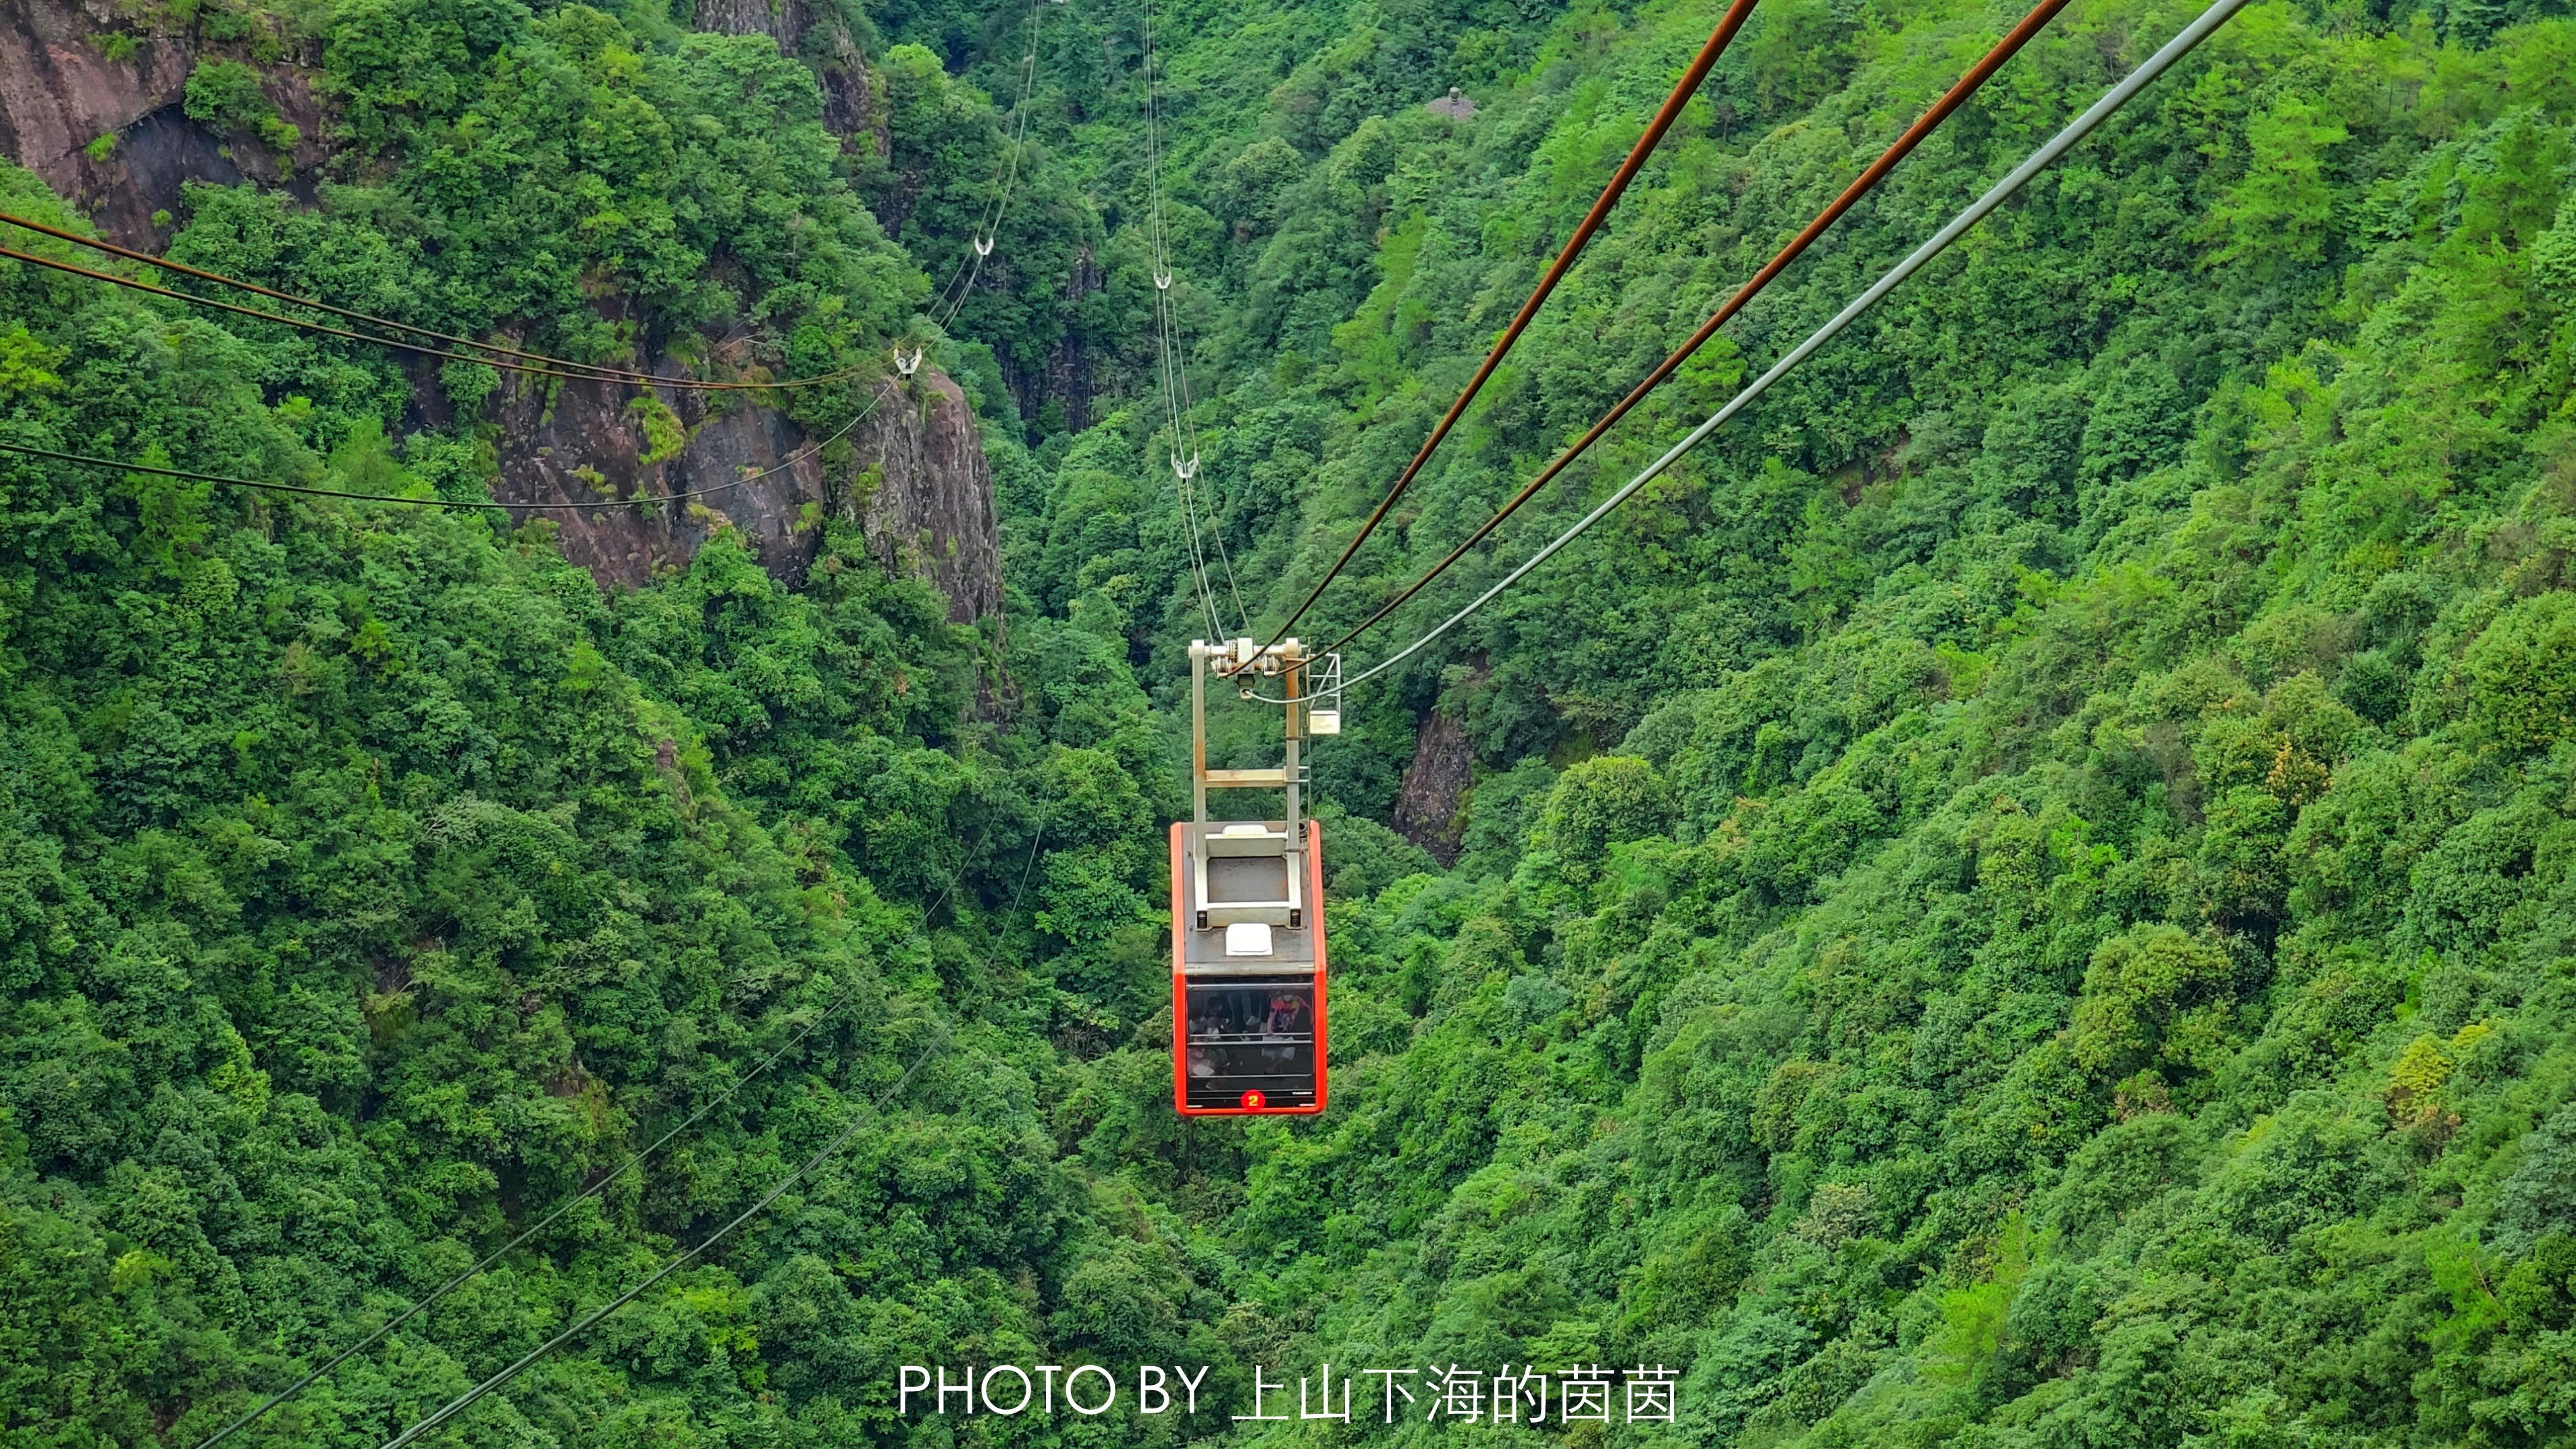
column 1167, row 355
column 2076, row 130
column 1019, row 125
column 146, row 258
column 1190, row 526
column 938, row 1040
column 1185, row 408
column 552, row 366
column 597, row 1186
column 114, row 465
column 990, row 231
column 1198, row 556
column 1216, row 516
column 988, row 222
column 1182, row 475
column 1173, row 365
column 397, row 344
column 1958, row 94
column 1671, row 111
column 1198, row 552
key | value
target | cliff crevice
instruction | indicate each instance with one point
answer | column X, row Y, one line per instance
column 96, row 107
column 910, row 474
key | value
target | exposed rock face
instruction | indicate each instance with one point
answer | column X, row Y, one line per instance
column 1067, row 374
column 848, row 111
column 784, row 21
column 930, row 509
column 849, row 108
column 59, row 93
column 1426, row 807
column 582, row 441
column 917, row 483
column 918, row 486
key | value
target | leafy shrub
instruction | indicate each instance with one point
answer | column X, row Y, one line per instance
column 2538, row 1199
column 1601, row 802
column 2521, row 673
column 226, row 93
column 2152, row 995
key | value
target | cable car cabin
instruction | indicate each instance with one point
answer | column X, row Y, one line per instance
column 1248, row 968
column 1248, row 973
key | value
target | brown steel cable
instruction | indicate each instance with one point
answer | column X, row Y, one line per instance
column 1683, row 89
column 183, row 269
column 115, row 466
column 2030, row 25
column 582, row 371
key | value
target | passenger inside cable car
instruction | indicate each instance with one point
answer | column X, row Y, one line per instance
column 1251, row 1035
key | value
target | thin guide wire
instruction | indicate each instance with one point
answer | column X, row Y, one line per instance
column 939, row 1040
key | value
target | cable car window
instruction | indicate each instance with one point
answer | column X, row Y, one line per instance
column 1247, row 878
column 1249, row 1035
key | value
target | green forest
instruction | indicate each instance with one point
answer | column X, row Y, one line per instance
column 2022, row 897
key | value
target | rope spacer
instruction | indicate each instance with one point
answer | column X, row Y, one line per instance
column 907, row 365
column 984, row 245
column 1186, row 471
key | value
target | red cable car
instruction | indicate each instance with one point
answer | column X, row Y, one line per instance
column 1248, row 989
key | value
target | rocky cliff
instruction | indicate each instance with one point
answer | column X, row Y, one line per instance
column 914, row 477
column 1435, row 779
column 93, row 100
column 849, row 109
column 910, row 473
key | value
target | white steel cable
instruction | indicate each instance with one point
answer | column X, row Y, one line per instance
column 1163, row 349
column 2076, row 130
column 1216, row 515
column 1171, row 359
column 1184, row 475
column 988, row 221
column 1198, row 555
column 600, row 1184
column 939, row 1039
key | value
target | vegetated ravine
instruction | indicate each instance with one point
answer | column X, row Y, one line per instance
column 2025, row 894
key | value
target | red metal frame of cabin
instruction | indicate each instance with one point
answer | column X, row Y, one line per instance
column 1181, row 994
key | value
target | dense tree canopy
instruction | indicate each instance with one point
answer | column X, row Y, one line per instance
column 2025, row 895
